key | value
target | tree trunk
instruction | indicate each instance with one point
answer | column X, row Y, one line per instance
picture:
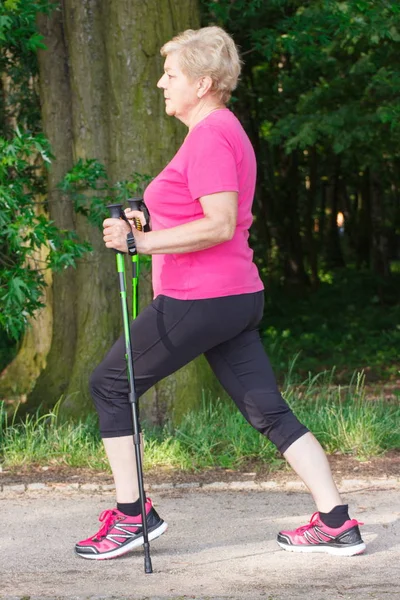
column 56, row 116
column 99, row 100
column 363, row 232
column 292, row 249
column 311, row 201
column 380, row 239
column 18, row 378
column 246, row 108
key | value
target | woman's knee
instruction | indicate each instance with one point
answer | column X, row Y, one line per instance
column 276, row 421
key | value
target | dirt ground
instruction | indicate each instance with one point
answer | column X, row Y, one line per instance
column 343, row 467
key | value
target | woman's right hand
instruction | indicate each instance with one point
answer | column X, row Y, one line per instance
column 131, row 215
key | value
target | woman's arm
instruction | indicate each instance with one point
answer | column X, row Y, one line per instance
column 218, row 225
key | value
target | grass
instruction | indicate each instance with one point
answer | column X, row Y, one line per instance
column 216, row 435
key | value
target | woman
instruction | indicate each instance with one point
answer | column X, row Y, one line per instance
column 208, row 298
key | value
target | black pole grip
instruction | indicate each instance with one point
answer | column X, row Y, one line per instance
column 115, row 210
column 134, row 203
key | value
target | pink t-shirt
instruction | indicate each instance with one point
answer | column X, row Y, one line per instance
column 216, row 156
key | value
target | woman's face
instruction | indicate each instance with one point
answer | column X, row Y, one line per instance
column 180, row 93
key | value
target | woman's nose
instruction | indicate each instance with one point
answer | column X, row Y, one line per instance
column 161, row 82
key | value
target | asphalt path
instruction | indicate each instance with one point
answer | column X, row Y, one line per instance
column 219, row 545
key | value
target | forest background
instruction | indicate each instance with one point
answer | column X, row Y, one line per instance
column 82, row 124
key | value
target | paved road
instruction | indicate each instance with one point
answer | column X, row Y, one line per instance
column 220, row 545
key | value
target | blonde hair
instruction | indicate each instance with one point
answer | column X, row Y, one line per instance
column 208, row 51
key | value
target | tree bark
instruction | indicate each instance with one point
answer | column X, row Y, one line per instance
column 56, row 118
column 99, row 100
column 18, row 378
column 292, row 248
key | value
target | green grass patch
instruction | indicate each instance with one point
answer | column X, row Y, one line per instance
column 216, row 435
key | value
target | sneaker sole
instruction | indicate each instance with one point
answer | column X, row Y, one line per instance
column 125, row 549
column 345, row 551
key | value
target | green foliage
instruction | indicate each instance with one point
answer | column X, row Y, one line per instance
column 352, row 322
column 19, row 43
column 23, row 153
column 25, row 230
column 332, row 71
column 348, row 96
column 214, row 436
column 90, row 189
column 320, row 99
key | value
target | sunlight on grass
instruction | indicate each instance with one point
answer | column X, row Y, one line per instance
column 216, row 435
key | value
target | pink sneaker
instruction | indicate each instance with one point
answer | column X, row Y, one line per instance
column 317, row 537
column 119, row 534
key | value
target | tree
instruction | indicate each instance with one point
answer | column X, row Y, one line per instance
column 31, row 245
column 107, row 59
column 320, row 99
column 99, row 101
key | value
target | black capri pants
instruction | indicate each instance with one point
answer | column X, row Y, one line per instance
column 169, row 333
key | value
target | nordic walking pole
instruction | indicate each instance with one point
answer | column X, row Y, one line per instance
column 134, row 204
column 116, row 213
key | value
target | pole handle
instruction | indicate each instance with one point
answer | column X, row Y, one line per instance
column 115, row 210
column 136, row 204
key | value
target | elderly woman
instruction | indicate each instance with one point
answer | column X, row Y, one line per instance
column 208, row 299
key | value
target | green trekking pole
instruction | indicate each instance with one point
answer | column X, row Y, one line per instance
column 116, row 212
column 135, row 204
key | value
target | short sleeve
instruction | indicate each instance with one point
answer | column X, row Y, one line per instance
column 210, row 163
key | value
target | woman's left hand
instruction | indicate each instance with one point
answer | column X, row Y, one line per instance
column 115, row 232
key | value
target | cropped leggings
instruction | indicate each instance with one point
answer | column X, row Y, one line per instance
column 169, row 333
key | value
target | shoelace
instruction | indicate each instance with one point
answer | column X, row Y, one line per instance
column 314, row 521
column 109, row 517
column 310, row 525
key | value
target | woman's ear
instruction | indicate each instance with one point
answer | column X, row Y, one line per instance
column 204, row 85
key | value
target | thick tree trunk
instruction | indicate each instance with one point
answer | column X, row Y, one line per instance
column 99, row 100
column 56, row 116
column 18, row 378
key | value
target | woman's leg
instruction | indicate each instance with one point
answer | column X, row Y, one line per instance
column 167, row 335
column 305, row 456
column 308, row 460
column 153, row 360
column 121, row 457
column 153, row 337
column 244, row 370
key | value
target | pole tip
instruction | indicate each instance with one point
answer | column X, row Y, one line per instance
column 148, row 568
